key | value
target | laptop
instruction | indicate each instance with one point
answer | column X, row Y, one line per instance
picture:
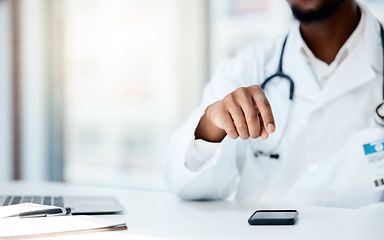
column 79, row 204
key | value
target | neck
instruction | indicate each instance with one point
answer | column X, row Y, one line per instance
column 327, row 37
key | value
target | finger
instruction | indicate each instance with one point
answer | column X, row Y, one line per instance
column 226, row 122
column 252, row 117
column 264, row 107
column 238, row 117
column 264, row 134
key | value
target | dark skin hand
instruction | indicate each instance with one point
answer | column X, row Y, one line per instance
column 246, row 112
column 243, row 113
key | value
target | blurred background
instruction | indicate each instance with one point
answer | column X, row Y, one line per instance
column 91, row 90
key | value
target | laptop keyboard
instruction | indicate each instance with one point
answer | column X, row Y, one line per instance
column 45, row 200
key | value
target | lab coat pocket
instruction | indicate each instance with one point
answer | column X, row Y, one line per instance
column 355, row 182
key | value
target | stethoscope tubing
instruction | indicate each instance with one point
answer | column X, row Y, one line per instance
column 379, row 118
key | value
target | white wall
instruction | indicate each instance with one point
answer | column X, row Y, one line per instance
column 128, row 83
column 6, row 168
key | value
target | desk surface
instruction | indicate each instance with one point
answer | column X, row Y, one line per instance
column 159, row 215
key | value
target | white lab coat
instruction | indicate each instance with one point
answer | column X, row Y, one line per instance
column 321, row 156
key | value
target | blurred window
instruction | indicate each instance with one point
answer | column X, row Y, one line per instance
column 122, row 90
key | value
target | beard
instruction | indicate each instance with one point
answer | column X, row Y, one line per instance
column 326, row 10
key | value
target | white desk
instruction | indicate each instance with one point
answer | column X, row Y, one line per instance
column 164, row 216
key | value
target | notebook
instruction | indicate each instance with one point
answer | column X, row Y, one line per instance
column 55, row 226
column 29, row 220
column 79, row 204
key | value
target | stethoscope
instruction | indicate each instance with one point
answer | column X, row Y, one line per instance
column 378, row 115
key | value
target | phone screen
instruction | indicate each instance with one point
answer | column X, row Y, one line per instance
column 273, row 217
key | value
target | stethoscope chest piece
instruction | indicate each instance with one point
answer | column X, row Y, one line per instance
column 379, row 114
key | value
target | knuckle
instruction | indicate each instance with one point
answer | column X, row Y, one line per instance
column 256, row 88
column 253, row 117
column 242, row 126
column 264, row 102
column 244, row 137
column 232, row 133
column 256, row 132
column 255, row 135
column 241, row 93
column 269, row 120
column 220, row 110
column 228, row 98
column 241, row 90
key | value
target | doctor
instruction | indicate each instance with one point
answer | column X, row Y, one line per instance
column 306, row 136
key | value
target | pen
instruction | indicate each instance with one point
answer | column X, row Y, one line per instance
column 44, row 213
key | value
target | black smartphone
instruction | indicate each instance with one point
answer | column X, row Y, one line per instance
column 274, row 217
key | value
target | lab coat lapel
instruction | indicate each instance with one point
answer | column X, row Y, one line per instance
column 353, row 72
column 361, row 66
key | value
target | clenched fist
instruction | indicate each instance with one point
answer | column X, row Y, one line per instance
column 243, row 113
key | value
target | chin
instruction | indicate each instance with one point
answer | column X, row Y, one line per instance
column 309, row 11
column 307, row 5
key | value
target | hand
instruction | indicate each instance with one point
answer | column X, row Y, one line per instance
column 243, row 113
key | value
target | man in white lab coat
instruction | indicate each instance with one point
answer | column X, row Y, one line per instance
column 316, row 149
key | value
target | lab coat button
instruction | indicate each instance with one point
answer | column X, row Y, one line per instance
column 313, row 168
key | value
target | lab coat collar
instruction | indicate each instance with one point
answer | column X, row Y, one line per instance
column 362, row 64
